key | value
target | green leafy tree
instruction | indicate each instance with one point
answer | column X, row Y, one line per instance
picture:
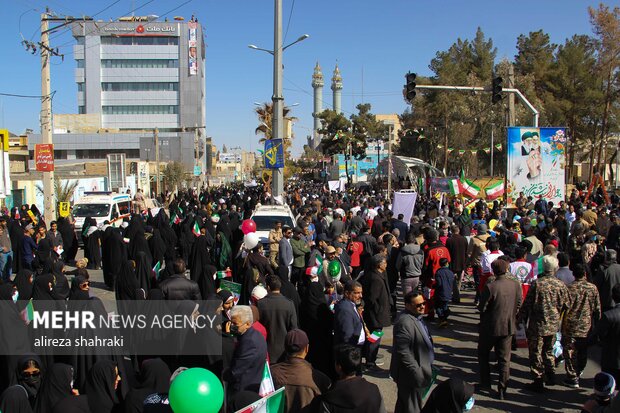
column 576, row 92
column 63, row 189
column 606, row 27
column 174, row 174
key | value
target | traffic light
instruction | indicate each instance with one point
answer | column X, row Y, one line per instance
column 496, row 90
column 409, row 91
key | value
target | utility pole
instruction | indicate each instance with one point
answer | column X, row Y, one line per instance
column 46, row 117
column 277, row 126
column 157, row 171
column 389, row 163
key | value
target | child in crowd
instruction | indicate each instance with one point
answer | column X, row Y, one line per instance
column 444, row 280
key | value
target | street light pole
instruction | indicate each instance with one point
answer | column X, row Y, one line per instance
column 277, row 127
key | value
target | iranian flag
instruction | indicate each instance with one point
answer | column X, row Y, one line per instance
column 274, row 403
column 266, row 384
column 223, row 274
column 468, row 188
column 317, row 268
column 495, row 190
column 157, row 269
column 27, row 314
column 455, row 188
column 196, row 229
column 175, row 219
column 375, row 336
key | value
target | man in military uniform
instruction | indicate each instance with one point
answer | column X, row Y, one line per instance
column 584, row 305
column 547, row 298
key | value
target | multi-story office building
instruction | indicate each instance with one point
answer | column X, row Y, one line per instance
column 137, row 75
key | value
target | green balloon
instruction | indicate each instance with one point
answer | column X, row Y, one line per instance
column 334, row 268
column 196, row 390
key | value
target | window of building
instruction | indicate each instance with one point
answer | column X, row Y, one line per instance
column 81, row 110
column 80, row 63
column 140, row 110
column 139, row 63
column 140, row 41
column 80, row 86
column 139, row 86
column 80, row 40
column 101, row 153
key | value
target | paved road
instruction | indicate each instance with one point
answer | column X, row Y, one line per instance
column 455, row 355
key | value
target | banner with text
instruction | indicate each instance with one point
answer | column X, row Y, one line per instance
column 536, row 162
column 44, row 157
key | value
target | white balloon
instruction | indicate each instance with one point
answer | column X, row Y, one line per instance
column 251, row 240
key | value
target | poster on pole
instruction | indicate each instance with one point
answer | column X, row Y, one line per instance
column 44, row 157
column 536, row 163
column 274, row 154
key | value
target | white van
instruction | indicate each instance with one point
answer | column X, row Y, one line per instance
column 102, row 206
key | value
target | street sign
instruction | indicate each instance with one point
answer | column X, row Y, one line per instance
column 197, row 170
column 4, row 139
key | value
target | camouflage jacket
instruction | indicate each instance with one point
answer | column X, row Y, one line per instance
column 584, row 305
column 543, row 306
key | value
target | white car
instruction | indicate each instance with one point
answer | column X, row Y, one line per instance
column 266, row 217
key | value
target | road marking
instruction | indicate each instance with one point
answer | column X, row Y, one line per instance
column 436, row 339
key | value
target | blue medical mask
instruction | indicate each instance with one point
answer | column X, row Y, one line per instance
column 15, row 296
column 470, row 404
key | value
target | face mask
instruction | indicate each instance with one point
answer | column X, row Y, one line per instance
column 469, row 405
column 15, row 296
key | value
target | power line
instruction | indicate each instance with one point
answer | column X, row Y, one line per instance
column 94, row 15
column 289, row 21
column 106, row 24
column 14, row 95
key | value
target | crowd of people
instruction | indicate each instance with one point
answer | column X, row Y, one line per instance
column 315, row 299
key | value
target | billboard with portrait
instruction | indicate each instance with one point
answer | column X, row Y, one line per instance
column 192, row 48
column 536, row 162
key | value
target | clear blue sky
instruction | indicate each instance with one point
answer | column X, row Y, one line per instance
column 374, row 43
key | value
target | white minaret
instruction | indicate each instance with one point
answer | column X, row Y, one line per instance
column 317, row 85
column 337, row 89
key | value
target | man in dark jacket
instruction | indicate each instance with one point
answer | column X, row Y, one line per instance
column 277, row 314
column 499, row 305
column 402, row 227
column 370, row 244
column 412, row 355
column 351, row 393
column 248, row 361
column 457, row 247
column 608, row 330
column 607, row 277
column 410, row 263
column 377, row 305
column 301, row 381
column 177, row 286
column 348, row 325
